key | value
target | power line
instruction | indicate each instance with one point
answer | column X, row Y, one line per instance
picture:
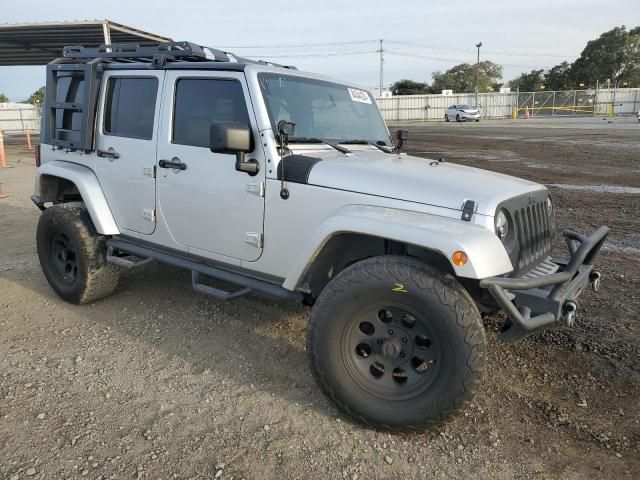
column 302, row 45
column 304, row 55
column 449, row 59
column 466, row 50
column 400, row 42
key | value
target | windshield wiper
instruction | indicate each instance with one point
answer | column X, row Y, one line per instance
column 384, row 148
column 319, row 140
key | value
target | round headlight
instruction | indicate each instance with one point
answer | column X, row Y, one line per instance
column 502, row 225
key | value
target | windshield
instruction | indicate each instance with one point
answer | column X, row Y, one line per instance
column 464, row 107
column 323, row 110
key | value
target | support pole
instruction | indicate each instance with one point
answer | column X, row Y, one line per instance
column 3, row 156
column 381, row 51
column 107, row 34
column 478, row 45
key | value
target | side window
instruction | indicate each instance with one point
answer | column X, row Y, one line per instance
column 130, row 107
column 199, row 102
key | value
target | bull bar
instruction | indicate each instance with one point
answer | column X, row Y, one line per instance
column 532, row 304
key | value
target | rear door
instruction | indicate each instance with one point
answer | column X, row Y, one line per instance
column 126, row 147
column 209, row 206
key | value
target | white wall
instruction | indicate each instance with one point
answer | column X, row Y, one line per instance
column 17, row 117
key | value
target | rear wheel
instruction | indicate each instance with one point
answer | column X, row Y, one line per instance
column 446, row 117
column 396, row 344
column 73, row 255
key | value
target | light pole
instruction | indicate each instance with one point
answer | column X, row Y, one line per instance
column 478, row 45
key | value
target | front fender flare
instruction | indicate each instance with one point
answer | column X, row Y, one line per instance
column 487, row 256
column 87, row 184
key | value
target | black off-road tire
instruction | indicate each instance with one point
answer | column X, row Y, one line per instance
column 73, row 255
column 440, row 307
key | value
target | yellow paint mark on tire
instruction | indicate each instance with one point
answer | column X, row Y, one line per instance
column 399, row 287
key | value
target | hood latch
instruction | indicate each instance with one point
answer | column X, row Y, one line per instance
column 467, row 210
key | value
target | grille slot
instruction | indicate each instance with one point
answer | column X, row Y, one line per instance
column 533, row 230
column 534, row 233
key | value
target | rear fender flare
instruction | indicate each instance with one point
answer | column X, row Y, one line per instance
column 87, row 184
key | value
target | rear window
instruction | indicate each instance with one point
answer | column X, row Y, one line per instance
column 130, row 107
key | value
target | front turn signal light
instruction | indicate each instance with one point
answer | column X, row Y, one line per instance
column 459, row 258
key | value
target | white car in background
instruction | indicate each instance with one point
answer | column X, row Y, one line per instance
column 462, row 113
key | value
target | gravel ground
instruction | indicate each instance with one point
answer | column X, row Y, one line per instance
column 157, row 381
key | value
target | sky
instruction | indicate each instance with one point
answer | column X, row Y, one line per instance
column 340, row 38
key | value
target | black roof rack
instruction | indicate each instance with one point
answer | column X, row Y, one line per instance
column 73, row 82
column 158, row 55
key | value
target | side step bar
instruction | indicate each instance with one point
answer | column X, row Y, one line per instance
column 148, row 255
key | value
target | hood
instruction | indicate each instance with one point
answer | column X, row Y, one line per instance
column 415, row 179
column 470, row 110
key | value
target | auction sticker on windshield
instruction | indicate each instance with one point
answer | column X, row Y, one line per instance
column 359, row 96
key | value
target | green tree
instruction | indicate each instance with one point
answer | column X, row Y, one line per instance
column 409, row 87
column 463, row 78
column 559, row 77
column 37, row 97
column 3, row 98
column 528, row 82
column 614, row 55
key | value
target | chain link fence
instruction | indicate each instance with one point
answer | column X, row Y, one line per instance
column 418, row 108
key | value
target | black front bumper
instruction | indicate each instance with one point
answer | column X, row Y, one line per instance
column 532, row 304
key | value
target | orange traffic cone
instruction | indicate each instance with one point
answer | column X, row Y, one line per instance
column 29, row 140
column 526, row 113
column 3, row 156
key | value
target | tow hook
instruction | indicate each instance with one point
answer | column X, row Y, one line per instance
column 594, row 278
column 569, row 310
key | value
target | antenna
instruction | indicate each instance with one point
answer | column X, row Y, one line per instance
column 285, row 130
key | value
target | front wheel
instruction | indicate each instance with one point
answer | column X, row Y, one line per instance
column 396, row 344
column 458, row 118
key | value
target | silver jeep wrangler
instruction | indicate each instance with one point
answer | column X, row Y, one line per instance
column 273, row 181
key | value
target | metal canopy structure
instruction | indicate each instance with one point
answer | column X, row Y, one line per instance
column 40, row 43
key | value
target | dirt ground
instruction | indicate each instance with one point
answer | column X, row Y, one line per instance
column 157, row 381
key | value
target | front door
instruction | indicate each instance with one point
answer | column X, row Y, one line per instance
column 126, row 147
column 208, row 205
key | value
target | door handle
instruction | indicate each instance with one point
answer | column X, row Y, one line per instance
column 108, row 154
column 174, row 163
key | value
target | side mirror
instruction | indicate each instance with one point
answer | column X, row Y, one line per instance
column 233, row 138
column 401, row 136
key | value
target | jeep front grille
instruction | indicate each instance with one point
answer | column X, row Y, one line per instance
column 534, row 234
column 534, row 228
